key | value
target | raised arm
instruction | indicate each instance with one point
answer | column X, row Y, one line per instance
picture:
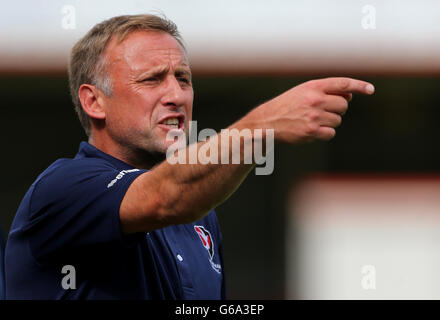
column 182, row 193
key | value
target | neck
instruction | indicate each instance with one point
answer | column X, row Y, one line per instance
column 135, row 157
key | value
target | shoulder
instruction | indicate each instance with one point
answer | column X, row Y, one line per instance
column 62, row 169
column 67, row 177
column 65, row 173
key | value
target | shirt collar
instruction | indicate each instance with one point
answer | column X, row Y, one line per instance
column 86, row 150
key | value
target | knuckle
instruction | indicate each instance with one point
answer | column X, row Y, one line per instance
column 329, row 134
column 313, row 116
column 344, row 109
column 343, row 84
column 313, row 99
column 313, row 84
column 311, row 129
column 338, row 120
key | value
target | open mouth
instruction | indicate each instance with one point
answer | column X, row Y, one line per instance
column 176, row 123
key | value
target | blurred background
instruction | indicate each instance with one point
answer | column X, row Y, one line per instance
column 354, row 218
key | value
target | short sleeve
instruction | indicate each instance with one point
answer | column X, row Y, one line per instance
column 76, row 206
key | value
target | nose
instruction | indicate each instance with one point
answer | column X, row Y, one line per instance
column 174, row 96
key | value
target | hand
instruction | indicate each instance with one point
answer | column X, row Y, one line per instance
column 310, row 111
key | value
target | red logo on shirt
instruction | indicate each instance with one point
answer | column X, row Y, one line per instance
column 205, row 237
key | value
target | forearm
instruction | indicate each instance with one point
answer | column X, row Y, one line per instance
column 185, row 192
column 192, row 190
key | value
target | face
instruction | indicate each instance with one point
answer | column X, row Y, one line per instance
column 152, row 91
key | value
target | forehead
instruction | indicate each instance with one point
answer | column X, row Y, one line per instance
column 142, row 50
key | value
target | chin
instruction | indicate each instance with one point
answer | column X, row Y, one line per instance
column 158, row 144
column 161, row 147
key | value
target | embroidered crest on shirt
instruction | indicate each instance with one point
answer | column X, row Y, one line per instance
column 208, row 244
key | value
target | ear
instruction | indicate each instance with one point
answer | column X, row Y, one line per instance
column 91, row 101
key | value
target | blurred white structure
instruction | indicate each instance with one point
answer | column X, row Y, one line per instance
column 302, row 36
column 364, row 237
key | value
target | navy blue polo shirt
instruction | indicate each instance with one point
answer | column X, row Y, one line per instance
column 65, row 241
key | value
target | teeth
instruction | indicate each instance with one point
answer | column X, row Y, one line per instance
column 172, row 121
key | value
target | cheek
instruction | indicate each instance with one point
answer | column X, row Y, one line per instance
column 132, row 120
column 189, row 106
column 131, row 111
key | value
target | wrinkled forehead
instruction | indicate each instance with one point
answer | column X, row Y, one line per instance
column 141, row 50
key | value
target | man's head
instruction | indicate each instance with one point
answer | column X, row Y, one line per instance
column 130, row 80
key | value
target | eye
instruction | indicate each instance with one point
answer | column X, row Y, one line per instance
column 150, row 79
column 184, row 79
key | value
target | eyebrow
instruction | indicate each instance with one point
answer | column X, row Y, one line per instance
column 164, row 69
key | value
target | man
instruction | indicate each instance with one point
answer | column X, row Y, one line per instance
column 119, row 222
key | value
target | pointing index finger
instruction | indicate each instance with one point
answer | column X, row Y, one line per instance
column 346, row 85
